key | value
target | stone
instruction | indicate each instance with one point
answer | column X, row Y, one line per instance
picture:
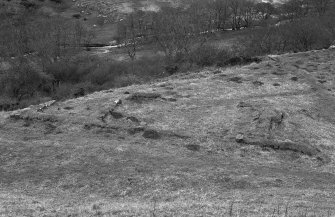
column 239, row 138
column 118, row 102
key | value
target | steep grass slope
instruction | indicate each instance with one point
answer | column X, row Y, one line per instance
column 256, row 140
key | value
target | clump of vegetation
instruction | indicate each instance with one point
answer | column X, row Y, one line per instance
column 298, row 35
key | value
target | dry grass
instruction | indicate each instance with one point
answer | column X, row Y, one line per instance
column 76, row 159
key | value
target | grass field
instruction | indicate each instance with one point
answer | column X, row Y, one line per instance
column 170, row 148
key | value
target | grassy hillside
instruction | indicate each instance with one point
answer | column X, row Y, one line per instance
column 251, row 141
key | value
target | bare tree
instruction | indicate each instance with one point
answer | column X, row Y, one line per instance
column 221, row 12
column 201, row 15
column 294, row 9
column 264, row 10
column 129, row 36
column 176, row 34
column 236, row 13
column 248, row 12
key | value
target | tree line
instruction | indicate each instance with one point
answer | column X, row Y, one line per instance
column 175, row 30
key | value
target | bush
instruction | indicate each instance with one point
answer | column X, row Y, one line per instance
column 171, row 69
column 70, row 71
column 106, row 73
column 149, row 68
column 87, row 75
column 308, row 34
column 123, row 81
column 204, row 56
column 222, row 57
column 64, row 91
column 209, row 56
column 241, row 60
column 265, row 41
column 299, row 35
column 7, row 104
column 21, row 81
column 63, row 71
column 116, row 74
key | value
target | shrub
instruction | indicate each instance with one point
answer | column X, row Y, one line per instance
column 106, row 73
column 171, row 69
column 299, row 35
column 63, row 71
column 222, row 56
column 308, row 34
column 7, row 104
column 69, row 90
column 70, row 71
column 204, row 56
column 265, row 41
column 149, row 68
column 240, row 60
column 21, row 81
column 64, row 91
column 123, row 81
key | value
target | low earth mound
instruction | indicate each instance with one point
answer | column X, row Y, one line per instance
column 256, row 140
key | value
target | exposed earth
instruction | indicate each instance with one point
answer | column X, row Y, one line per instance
column 257, row 140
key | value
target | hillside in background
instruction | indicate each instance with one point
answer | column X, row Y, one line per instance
column 99, row 15
column 256, row 140
column 110, row 8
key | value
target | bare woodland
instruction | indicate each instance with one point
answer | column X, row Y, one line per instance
column 46, row 52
